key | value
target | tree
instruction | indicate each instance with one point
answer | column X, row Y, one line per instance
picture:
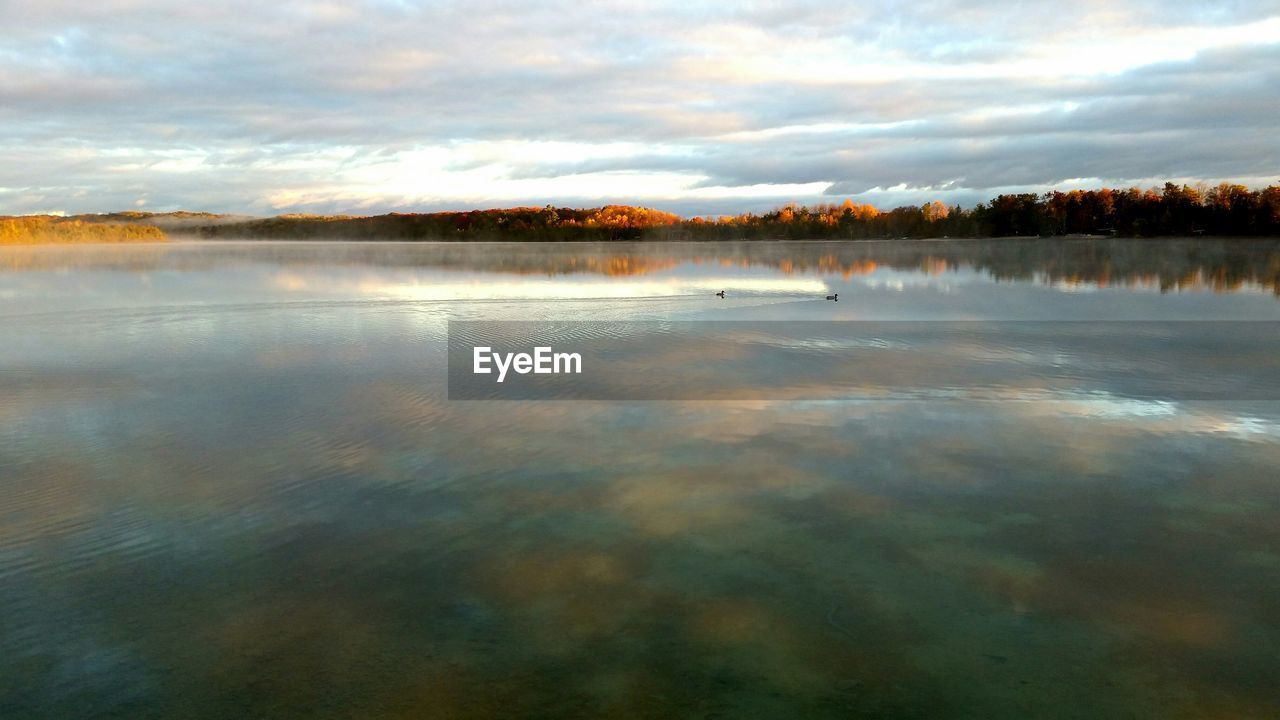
column 935, row 211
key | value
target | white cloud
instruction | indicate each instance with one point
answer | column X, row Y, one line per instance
column 700, row 107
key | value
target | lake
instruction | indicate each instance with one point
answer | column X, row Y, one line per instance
column 995, row 479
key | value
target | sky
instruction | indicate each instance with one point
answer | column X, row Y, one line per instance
column 265, row 107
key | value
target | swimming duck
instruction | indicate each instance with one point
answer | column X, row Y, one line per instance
column 835, row 297
column 720, row 294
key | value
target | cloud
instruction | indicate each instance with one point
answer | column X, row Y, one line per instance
column 266, row 107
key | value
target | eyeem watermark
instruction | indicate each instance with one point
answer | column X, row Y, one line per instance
column 864, row 360
column 543, row 361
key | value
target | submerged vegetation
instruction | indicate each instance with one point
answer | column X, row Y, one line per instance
column 1224, row 210
column 37, row 229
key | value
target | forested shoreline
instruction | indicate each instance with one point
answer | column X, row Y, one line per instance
column 47, row 229
column 1225, row 210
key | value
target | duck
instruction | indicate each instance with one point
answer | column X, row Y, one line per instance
column 720, row 294
column 835, row 297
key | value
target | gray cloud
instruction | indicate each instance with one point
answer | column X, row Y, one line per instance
column 236, row 105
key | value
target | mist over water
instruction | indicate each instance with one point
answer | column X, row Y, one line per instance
column 232, row 485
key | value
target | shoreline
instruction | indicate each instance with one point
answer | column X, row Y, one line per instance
column 184, row 239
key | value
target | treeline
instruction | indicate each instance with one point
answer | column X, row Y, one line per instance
column 38, row 229
column 612, row 222
column 1224, row 210
column 847, row 221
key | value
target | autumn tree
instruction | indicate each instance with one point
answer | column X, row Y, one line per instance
column 935, row 211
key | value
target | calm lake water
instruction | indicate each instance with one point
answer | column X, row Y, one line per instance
column 232, row 485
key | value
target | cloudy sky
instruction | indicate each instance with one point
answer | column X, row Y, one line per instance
column 266, row 106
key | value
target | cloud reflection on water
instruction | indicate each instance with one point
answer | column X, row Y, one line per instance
column 269, row 505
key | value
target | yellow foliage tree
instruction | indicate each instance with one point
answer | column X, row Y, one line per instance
column 40, row 229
